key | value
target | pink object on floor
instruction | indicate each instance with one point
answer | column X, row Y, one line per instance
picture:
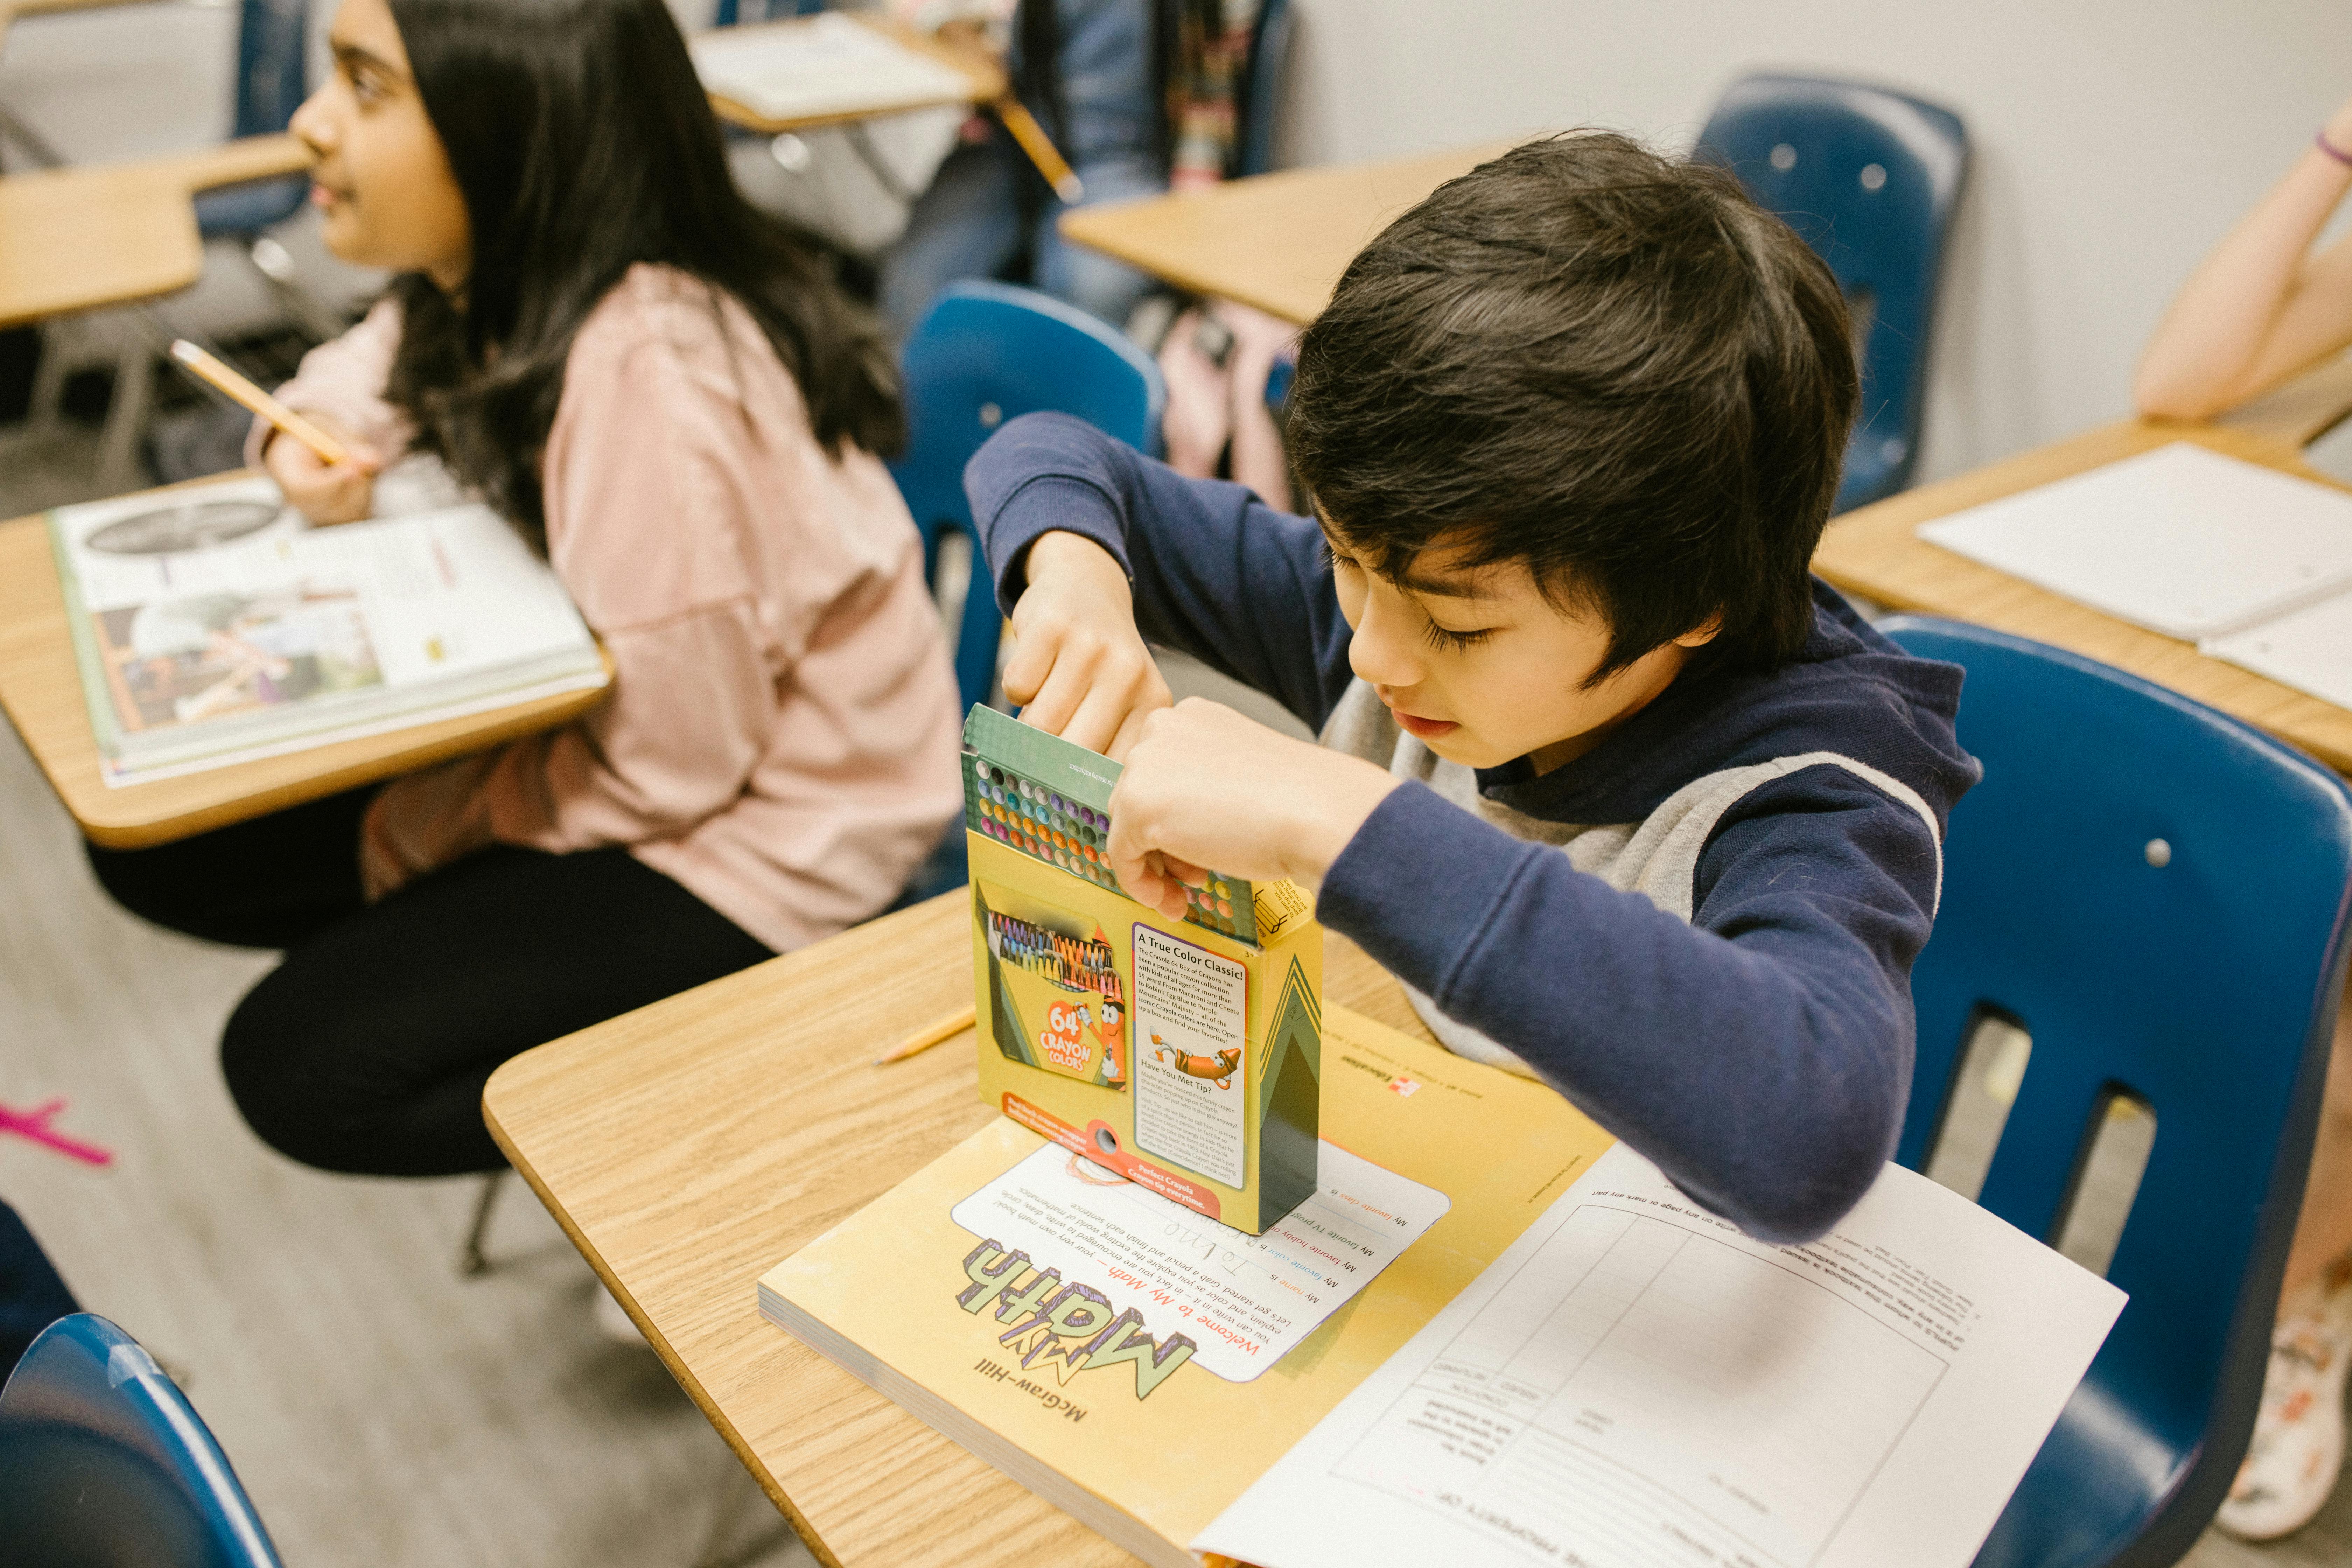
column 35, row 1124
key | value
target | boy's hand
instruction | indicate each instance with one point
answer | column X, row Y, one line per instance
column 320, row 490
column 1079, row 668
column 1206, row 787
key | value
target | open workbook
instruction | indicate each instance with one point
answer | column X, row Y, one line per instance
column 1492, row 1337
column 2252, row 565
column 826, row 66
column 212, row 626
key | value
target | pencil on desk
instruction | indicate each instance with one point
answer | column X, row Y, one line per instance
column 1041, row 150
column 204, row 366
column 955, row 1022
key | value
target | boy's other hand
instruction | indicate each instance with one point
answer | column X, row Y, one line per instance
column 320, row 490
column 1205, row 787
column 1079, row 668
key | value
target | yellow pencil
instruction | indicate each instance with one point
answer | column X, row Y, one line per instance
column 1041, row 150
column 955, row 1022
column 199, row 364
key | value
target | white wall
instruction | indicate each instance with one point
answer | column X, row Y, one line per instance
column 2113, row 143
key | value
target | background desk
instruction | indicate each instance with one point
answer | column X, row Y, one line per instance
column 690, row 1146
column 41, row 693
column 984, row 80
column 1275, row 241
column 106, row 234
column 1876, row 551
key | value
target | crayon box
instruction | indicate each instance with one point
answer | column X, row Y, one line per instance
column 1184, row 1054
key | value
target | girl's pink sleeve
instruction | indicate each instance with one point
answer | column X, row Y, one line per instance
column 649, row 489
column 344, row 380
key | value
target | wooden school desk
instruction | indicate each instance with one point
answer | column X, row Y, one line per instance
column 1876, row 551
column 984, row 79
column 107, row 234
column 690, row 1146
column 41, row 693
column 1278, row 241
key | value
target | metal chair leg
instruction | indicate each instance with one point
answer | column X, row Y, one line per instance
column 471, row 1260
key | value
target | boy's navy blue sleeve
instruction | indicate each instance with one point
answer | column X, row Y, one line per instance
column 1217, row 573
column 1760, row 1054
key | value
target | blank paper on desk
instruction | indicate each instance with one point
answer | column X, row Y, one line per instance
column 2181, row 539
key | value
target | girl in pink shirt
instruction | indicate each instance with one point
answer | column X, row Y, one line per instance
column 665, row 393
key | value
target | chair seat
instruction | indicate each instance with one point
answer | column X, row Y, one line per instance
column 2097, row 1483
column 238, row 210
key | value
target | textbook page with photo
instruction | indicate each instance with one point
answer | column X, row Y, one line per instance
column 2252, row 565
column 212, row 625
column 1492, row 1337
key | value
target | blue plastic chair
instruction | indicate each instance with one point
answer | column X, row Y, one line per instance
column 2202, row 976
column 103, row 1461
column 272, row 43
column 984, row 354
column 1869, row 178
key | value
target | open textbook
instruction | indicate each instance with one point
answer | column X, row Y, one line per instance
column 211, row 626
column 827, row 64
column 1492, row 1338
column 2252, row 565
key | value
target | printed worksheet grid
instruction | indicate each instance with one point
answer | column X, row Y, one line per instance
column 1610, row 1349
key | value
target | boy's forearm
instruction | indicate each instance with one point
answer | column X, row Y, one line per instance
column 1765, row 1075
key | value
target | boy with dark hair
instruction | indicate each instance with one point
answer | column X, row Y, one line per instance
column 1627, row 799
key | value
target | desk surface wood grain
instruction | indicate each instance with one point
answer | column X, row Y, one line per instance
column 1279, row 241
column 690, row 1146
column 1876, row 551
column 40, row 691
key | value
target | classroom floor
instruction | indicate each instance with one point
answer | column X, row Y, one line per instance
column 380, row 1410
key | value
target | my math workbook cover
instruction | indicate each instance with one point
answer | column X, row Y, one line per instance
column 1132, row 1361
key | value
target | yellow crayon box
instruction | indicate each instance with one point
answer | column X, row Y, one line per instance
column 1182, row 1055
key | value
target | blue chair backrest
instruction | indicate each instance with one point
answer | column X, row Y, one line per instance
column 2203, row 977
column 1262, row 93
column 272, row 52
column 732, row 12
column 984, row 354
column 103, row 1461
column 1869, row 178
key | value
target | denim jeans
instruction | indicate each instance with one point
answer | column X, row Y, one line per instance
column 969, row 223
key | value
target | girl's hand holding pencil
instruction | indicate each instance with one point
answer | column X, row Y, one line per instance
column 324, row 491
column 326, row 475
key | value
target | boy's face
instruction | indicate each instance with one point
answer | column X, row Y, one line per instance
column 1482, row 667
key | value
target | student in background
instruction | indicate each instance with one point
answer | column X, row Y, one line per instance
column 664, row 392
column 1138, row 95
column 1632, row 804
column 2261, row 307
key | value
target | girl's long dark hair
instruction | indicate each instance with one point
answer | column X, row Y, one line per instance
column 583, row 143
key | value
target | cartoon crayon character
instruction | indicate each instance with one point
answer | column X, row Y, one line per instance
column 1110, row 1033
column 1219, row 1068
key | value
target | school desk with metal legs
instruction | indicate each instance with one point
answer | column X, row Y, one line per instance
column 690, row 1146
column 41, row 693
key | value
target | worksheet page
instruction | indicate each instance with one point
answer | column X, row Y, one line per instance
column 2181, row 539
column 1637, row 1385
